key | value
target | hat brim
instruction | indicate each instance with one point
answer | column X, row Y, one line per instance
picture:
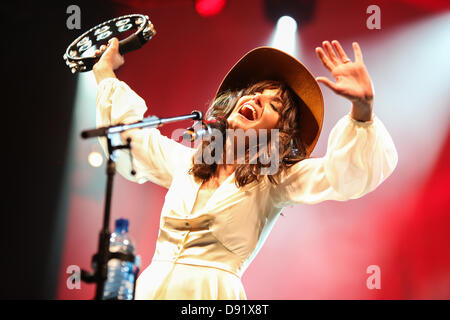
column 266, row 63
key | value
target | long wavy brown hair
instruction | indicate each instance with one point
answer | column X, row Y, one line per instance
column 291, row 147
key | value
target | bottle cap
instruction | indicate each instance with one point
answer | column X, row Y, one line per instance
column 121, row 225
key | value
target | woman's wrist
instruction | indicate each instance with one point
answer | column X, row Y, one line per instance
column 103, row 71
column 362, row 111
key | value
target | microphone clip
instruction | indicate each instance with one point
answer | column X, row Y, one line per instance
column 115, row 139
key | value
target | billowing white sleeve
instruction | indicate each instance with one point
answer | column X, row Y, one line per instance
column 155, row 157
column 359, row 157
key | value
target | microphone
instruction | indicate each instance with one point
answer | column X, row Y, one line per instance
column 205, row 129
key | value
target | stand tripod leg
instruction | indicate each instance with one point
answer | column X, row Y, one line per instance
column 105, row 234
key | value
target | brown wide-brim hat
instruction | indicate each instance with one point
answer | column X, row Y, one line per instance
column 266, row 63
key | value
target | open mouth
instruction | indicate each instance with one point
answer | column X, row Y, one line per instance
column 248, row 111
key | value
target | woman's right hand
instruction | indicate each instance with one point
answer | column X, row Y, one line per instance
column 110, row 60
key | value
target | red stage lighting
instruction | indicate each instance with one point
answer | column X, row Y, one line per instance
column 208, row 8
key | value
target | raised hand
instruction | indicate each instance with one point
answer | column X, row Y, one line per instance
column 110, row 60
column 111, row 55
column 352, row 79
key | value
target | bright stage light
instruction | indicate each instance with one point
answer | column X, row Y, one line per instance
column 208, row 8
column 287, row 24
column 95, row 159
column 284, row 37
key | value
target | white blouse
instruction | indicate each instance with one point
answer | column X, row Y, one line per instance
column 203, row 254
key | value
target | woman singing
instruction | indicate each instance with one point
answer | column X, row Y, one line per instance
column 216, row 216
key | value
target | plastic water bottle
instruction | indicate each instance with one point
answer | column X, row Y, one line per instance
column 121, row 274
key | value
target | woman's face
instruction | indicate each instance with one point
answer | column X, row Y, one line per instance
column 260, row 110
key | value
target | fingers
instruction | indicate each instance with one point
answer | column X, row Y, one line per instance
column 328, row 83
column 357, row 51
column 109, row 54
column 325, row 60
column 100, row 50
column 340, row 51
column 328, row 56
column 329, row 50
column 113, row 43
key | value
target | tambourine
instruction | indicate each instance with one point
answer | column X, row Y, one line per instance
column 80, row 54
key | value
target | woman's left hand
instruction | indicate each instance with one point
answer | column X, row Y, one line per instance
column 352, row 79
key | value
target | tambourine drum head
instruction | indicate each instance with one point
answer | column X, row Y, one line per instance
column 88, row 44
column 133, row 31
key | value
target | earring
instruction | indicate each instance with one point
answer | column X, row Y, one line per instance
column 294, row 151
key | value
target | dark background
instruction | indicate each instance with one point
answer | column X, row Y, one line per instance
column 39, row 105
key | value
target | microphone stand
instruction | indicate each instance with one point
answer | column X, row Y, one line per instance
column 101, row 258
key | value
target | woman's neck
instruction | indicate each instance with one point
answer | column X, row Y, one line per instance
column 223, row 171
